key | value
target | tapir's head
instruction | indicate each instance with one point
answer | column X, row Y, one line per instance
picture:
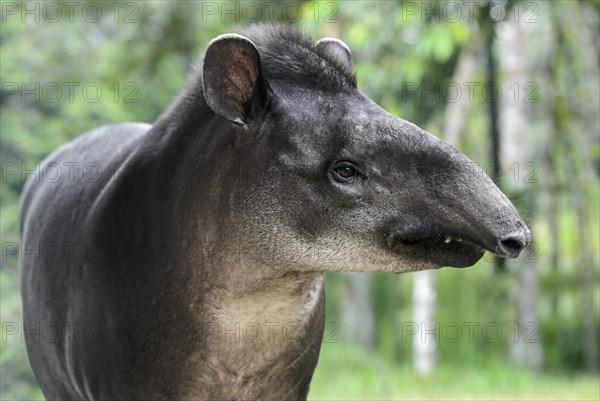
column 328, row 180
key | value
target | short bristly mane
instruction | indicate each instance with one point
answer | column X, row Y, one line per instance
column 288, row 54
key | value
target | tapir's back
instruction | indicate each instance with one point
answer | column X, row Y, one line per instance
column 56, row 201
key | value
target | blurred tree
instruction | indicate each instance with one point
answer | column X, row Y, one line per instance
column 569, row 45
column 425, row 355
column 514, row 158
column 357, row 322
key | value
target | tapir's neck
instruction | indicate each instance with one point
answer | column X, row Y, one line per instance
column 256, row 333
column 263, row 344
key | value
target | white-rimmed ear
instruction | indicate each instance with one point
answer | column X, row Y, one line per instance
column 233, row 83
column 337, row 49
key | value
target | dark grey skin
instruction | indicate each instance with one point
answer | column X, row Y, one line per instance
column 213, row 236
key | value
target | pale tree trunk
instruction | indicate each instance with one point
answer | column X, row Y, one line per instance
column 424, row 312
column 356, row 315
column 424, row 283
column 525, row 347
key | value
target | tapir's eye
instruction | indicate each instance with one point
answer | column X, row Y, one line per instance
column 344, row 172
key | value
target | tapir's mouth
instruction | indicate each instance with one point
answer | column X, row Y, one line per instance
column 442, row 249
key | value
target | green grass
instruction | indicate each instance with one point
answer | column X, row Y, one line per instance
column 348, row 373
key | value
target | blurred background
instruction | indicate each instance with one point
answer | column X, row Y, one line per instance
column 512, row 84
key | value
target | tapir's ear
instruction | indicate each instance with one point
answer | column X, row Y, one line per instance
column 233, row 82
column 337, row 49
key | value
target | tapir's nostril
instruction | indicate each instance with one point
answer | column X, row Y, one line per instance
column 513, row 245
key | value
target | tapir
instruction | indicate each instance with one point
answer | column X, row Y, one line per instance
column 189, row 264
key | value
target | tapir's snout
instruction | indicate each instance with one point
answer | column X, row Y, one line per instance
column 438, row 240
column 457, row 212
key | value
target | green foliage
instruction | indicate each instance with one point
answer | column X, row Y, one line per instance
column 565, row 348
